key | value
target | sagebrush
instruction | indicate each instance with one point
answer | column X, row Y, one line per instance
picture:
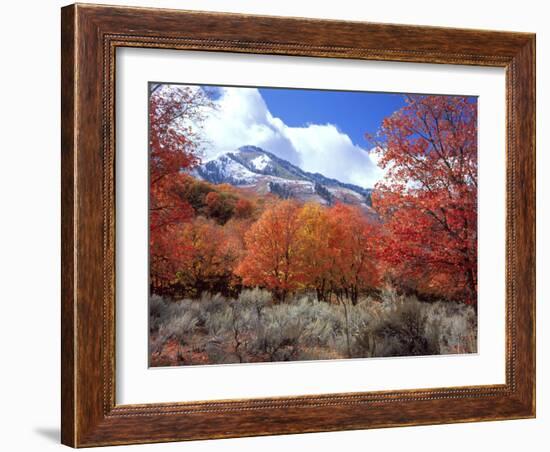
column 255, row 328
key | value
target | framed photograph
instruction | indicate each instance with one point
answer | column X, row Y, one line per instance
column 281, row 225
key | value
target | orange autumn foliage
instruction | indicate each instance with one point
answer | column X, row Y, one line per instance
column 315, row 234
column 211, row 253
column 274, row 258
column 293, row 247
column 353, row 248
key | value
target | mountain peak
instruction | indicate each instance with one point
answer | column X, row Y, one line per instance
column 260, row 170
column 251, row 148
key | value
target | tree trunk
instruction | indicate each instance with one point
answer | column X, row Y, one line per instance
column 348, row 339
column 472, row 286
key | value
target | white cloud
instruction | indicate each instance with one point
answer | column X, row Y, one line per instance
column 242, row 118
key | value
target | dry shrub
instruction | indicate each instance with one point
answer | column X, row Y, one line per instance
column 255, row 328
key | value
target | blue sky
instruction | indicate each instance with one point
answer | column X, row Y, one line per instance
column 354, row 113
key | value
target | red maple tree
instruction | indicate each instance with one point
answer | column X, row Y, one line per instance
column 428, row 199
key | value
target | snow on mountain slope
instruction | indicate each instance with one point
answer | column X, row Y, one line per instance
column 260, row 162
column 263, row 172
column 225, row 169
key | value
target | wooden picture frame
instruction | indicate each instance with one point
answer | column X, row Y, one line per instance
column 90, row 36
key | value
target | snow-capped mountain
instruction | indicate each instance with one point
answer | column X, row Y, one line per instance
column 264, row 172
